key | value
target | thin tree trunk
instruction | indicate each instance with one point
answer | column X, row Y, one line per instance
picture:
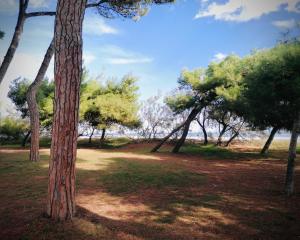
column 187, row 124
column 267, row 145
column 33, row 106
column 205, row 140
column 67, row 76
column 231, row 139
column 15, row 39
column 103, row 134
column 25, row 139
column 289, row 180
column 90, row 138
column 219, row 141
column 158, row 146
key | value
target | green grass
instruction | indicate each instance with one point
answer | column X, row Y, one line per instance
column 212, row 151
column 127, row 177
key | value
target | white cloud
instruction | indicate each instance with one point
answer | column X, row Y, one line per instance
column 219, row 57
column 115, row 55
column 129, row 60
column 285, row 24
column 245, row 10
column 95, row 25
column 88, row 58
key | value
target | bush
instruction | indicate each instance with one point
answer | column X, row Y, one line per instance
column 12, row 129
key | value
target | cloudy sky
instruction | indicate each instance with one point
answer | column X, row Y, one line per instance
column 187, row 34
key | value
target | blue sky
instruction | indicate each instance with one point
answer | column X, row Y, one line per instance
column 187, row 34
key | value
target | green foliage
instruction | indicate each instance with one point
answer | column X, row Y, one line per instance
column 127, row 8
column 272, row 86
column 45, row 94
column 12, row 128
column 113, row 103
column 218, row 86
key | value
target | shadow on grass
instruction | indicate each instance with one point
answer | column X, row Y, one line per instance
column 179, row 203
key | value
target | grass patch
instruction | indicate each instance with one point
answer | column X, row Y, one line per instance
column 130, row 176
column 213, row 151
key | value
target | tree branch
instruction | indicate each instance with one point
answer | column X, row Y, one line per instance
column 49, row 13
column 37, row 14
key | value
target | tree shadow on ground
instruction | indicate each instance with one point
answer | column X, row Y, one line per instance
column 150, row 198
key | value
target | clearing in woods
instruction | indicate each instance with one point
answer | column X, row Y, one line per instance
column 127, row 193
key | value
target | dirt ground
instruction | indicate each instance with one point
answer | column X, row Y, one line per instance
column 130, row 194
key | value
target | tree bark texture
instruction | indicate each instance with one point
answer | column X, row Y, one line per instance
column 33, row 106
column 67, row 75
column 15, row 39
column 289, row 180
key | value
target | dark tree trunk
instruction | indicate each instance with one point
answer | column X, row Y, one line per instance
column 219, row 141
column 102, row 137
column 158, row 146
column 90, row 138
column 267, row 145
column 234, row 136
column 25, row 139
column 67, row 76
column 33, row 106
column 187, row 124
column 289, row 180
column 15, row 39
column 103, row 134
column 205, row 140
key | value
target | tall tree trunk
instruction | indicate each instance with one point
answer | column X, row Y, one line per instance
column 33, row 106
column 25, row 139
column 205, row 140
column 158, row 146
column 267, row 145
column 187, row 124
column 90, row 138
column 15, row 39
column 289, row 180
column 67, row 76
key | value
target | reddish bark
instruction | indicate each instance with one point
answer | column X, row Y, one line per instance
column 67, row 75
column 33, row 106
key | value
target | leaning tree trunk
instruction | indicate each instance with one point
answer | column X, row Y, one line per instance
column 219, row 141
column 102, row 136
column 234, row 136
column 289, row 180
column 90, row 137
column 205, row 142
column 187, row 124
column 158, row 146
column 33, row 106
column 267, row 145
column 15, row 39
column 67, row 75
